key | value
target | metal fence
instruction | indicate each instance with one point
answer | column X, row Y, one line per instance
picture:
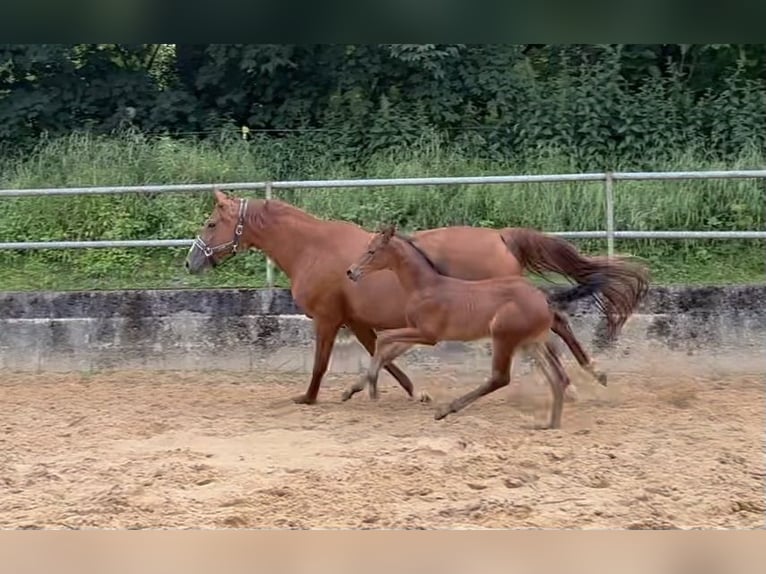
column 608, row 178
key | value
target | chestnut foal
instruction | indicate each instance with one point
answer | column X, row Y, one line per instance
column 510, row 310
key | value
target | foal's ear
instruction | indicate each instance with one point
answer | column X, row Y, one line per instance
column 221, row 198
column 388, row 231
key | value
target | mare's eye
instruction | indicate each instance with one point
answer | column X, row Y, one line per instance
column 211, row 225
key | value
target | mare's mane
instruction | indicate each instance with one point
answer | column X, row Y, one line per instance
column 263, row 208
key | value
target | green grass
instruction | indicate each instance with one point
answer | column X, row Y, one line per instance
column 130, row 159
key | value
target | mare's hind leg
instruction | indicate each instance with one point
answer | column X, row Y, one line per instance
column 502, row 354
column 325, row 332
column 563, row 329
column 367, row 337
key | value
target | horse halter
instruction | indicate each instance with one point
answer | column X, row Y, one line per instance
column 200, row 244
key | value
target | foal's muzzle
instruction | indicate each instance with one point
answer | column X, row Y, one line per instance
column 353, row 273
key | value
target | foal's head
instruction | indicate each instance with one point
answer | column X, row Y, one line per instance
column 379, row 255
column 221, row 236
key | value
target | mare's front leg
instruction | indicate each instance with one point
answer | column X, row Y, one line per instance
column 324, row 334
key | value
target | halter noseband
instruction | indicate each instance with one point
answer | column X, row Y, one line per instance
column 200, row 244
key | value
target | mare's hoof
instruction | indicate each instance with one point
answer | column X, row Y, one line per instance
column 539, row 427
column 304, row 400
column 601, row 378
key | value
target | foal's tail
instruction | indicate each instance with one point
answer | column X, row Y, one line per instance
column 590, row 289
column 617, row 285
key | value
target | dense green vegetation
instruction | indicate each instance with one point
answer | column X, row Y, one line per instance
column 132, row 114
column 84, row 160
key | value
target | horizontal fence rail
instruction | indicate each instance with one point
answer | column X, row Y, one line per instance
column 392, row 182
column 98, row 244
column 115, row 189
column 671, row 175
column 115, row 244
column 608, row 178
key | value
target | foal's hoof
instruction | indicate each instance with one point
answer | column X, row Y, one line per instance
column 442, row 412
column 601, row 378
column 424, row 397
column 304, row 399
column 570, row 394
column 348, row 393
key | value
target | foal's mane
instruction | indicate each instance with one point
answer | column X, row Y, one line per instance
column 411, row 242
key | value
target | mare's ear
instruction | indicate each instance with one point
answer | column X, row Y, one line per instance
column 221, row 198
column 388, row 231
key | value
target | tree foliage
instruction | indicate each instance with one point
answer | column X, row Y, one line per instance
column 601, row 104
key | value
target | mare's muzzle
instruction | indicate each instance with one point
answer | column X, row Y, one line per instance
column 228, row 247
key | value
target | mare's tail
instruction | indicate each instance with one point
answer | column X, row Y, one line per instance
column 617, row 285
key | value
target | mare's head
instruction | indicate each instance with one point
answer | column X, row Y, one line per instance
column 221, row 236
column 379, row 255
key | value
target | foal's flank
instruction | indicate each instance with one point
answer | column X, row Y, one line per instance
column 510, row 310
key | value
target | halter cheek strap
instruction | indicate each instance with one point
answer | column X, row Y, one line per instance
column 232, row 245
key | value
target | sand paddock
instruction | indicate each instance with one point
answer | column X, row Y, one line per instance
column 215, row 450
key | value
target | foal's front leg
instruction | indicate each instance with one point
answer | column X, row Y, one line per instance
column 390, row 344
column 368, row 338
column 383, row 356
column 376, row 363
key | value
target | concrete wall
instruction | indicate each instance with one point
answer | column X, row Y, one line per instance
column 701, row 329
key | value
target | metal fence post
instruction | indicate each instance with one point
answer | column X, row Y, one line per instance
column 609, row 197
column 269, row 262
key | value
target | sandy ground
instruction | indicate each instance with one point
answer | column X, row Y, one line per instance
column 210, row 450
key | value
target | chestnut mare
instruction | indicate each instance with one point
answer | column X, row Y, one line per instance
column 512, row 311
column 315, row 254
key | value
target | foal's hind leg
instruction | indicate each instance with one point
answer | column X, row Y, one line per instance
column 502, row 354
column 557, row 379
column 563, row 329
column 367, row 338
